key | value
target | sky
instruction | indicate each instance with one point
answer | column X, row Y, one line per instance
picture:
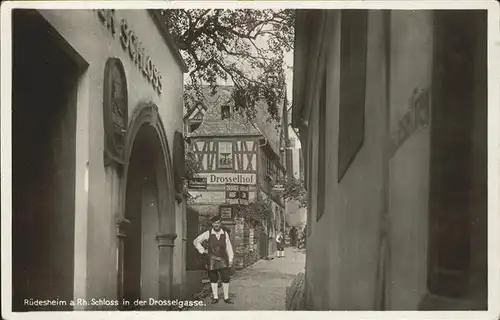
column 289, row 76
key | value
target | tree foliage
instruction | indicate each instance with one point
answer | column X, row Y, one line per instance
column 244, row 46
column 295, row 190
column 192, row 166
column 255, row 212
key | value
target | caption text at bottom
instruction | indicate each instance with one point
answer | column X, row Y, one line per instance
column 151, row 302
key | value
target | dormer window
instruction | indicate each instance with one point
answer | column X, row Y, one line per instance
column 225, row 112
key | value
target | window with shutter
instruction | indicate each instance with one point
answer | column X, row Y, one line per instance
column 352, row 87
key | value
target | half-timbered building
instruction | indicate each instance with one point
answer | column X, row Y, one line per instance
column 239, row 163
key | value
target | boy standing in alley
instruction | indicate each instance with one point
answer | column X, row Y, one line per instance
column 280, row 244
column 219, row 257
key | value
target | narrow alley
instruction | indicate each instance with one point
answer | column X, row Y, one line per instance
column 170, row 158
column 261, row 286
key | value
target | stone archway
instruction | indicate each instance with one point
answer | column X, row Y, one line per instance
column 146, row 229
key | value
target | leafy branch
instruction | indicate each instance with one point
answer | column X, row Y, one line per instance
column 192, row 166
column 295, row 190
column 255, row 212
column 244, row 46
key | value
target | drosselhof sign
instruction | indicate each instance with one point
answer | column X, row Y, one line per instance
column 223, row 178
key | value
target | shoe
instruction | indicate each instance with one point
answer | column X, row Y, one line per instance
column 229, row 301
column 214, row 301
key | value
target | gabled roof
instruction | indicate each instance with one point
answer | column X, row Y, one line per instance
column 194, row 112
column 225, row 128
column 213, row 125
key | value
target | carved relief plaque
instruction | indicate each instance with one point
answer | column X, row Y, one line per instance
column 115, row 105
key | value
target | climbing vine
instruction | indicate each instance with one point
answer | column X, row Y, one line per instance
column 193, row 166
column 295, row 190
column 255, row 212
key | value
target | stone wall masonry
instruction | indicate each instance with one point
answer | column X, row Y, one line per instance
column 246, row 245
column 295, row 293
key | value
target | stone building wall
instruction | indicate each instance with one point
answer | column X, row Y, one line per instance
column 246, row 246
column 295, row 293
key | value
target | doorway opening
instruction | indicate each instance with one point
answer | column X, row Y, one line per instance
column 457, row 203
column 144, row 201
column 43, row 163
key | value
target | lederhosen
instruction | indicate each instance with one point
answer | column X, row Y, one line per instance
column 217, row 254
column 218, row 261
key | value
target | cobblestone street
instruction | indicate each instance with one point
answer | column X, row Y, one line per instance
column 261, row 286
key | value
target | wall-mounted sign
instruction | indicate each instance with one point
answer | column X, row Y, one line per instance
column 417, row 117
column 197, row 183
column 278, row 188
column 224, row 178
column 208, row 197
column 244, row 194
column 232, row 193
column 131, row 43
column 237, row 194
column 226, row 213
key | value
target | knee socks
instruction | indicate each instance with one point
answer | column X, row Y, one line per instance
column 215, row 290
column 225, row 286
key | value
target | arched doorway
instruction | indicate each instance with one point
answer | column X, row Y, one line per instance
column 147, row 231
